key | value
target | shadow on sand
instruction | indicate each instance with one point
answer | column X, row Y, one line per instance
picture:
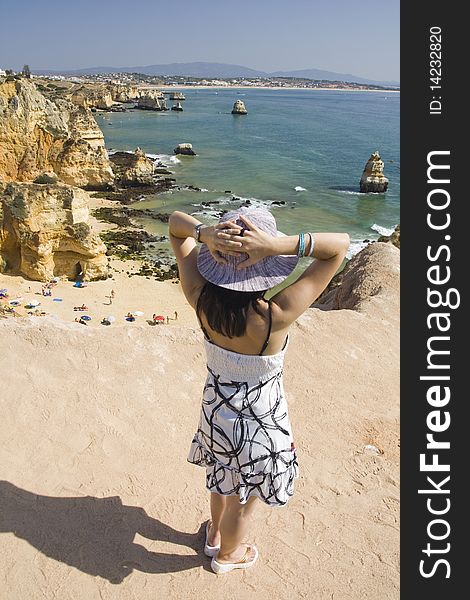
column 95, row 535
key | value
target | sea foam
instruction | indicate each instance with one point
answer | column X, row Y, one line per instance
column 382, row 230
column 354, row 247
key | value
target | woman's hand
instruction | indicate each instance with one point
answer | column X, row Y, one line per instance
column 222, row 238
column 254, row 241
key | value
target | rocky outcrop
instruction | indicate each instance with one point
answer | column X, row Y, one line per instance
column 239, row 108
column 394, row 238
column 100, row 98
column 177, row 96
column 132, row 168
column 185, row 149
column 177, row 107
column 151, row 100
column 123, row 93
column 38, row 134
column 374, row 271
column 373, row 178
column 46, row 233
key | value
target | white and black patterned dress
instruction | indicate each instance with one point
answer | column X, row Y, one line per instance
column 244, row 438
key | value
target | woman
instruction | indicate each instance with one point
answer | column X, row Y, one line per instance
column 244, row 438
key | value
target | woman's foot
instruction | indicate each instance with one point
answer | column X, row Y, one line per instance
column 213, row 535
column 212, row 542
column 243, row 557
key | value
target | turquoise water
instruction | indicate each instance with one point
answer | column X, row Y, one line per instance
column 318, row 140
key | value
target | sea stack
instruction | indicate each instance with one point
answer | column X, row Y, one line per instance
column 239, row 108
column 373, row 178
column 186, row 149
column 177, row 107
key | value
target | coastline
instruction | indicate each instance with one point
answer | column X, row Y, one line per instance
column 264, row 87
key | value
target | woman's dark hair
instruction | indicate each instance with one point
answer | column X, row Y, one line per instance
column 226, row 310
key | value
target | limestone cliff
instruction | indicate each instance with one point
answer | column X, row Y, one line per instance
column 46, row 232
column 38, row 134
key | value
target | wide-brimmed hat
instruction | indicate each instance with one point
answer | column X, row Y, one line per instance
column 265, row 274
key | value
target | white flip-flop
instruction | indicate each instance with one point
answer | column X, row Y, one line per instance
column 219, row 567
column 210, row 550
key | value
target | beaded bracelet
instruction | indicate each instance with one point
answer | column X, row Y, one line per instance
column 301, row 250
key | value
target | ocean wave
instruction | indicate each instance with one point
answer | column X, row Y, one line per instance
column 382, row 230
column 354, row 247
column 299, row 188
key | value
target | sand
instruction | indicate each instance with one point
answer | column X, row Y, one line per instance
column 98, row 501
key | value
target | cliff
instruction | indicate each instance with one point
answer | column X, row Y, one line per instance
column 46, row 232
column 38, row 134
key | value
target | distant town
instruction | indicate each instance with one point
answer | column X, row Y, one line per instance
column 179, row 80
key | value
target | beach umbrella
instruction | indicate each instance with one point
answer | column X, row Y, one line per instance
column 159, row 318
column 56, row 299
column 110, row 318
column 138, row 313
column 86, row 318
column 34, row 303
column 3, row 291
column 14, row 302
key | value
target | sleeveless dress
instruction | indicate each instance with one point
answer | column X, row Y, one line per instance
column 244, row 437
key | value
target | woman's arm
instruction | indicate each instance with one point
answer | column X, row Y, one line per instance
column 329, row 252
column 182, row 231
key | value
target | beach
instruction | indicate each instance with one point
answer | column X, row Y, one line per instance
column 98, row 500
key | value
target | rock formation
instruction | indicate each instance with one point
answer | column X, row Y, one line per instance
column 132, row 169
column 186, row 149
column 99, row 97
column 374, row 270
column 239, row 108
column 394, row 238
column 151, row 100
column 373, row 178
column 177, row 96
column 38, row 135
column 177, row 107
column 123, row 93
column 46, row 233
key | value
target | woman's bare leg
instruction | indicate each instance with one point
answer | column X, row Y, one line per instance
column 218, row 503
column 233, row 527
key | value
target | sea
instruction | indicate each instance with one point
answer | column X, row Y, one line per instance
column 302, row 149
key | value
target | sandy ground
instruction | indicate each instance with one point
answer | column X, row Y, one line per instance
column 131, row 293
column 98, row 501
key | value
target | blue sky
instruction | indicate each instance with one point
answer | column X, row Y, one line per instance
column 359, row 37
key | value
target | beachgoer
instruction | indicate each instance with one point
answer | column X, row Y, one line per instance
column 167, row 320
column 176, row 315
column 112, row 293
column 244, row 438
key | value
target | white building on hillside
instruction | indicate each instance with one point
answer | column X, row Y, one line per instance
column 2, row 73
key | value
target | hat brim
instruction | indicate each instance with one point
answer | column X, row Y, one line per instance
column 263, row 275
